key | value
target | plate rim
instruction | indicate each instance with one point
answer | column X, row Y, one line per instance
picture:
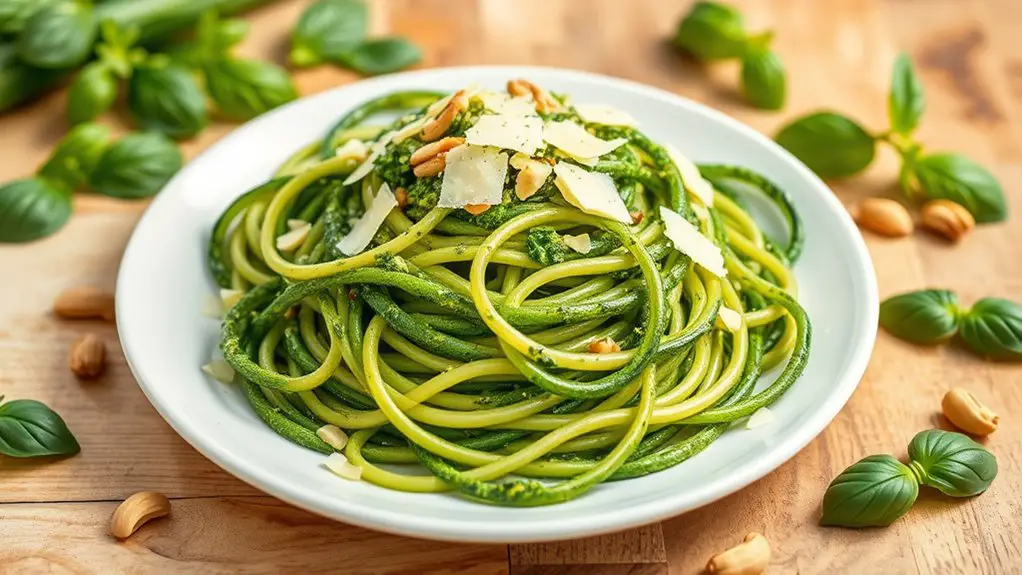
column 570, row 528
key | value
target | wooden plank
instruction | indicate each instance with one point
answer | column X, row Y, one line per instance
column 634, row 546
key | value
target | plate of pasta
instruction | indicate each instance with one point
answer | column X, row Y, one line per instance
column 497, row 304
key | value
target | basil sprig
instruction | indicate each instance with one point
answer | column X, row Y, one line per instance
column 836, row 146
column 712, row 31
column 877, row 490
column 993, row 328
column 30, row 429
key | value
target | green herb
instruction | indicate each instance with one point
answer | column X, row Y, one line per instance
column 952, row 463
column 993, row 328
column 926, row 317
column 327, row 29
column 959, row 179
column 246, row 88
column 381, row 56
column 136, row 166
column 14, row 13
column 58, row 36
column 76, row 155
column 763, row 83
column 19, row 81
column 30, row 209
column 165, row 97
column 873, row 492
column 30, row 429
column 906, row 100
column 832, row 145
column 92, row 92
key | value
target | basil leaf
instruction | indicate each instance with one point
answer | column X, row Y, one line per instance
column 926, row 317
column 76, row 155
column 136, row 166
column 31, row 209
column 711, row 31
column 30, row 429
column 993, row 328
column 165, row 97
column 244, row 89
column 326, row 29
column 832, row 145
column 763, row 83
column 959, row 179
column 19, row 81
column 952, row 462
column 381, row 56
column 14, row 13
column 58, row 36
column 906, row 100
column 873, row 492
column 92, row 92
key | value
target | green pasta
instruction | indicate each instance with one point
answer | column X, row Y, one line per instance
column 522, row 350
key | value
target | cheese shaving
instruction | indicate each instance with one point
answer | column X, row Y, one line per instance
column 694, row 182
column 407, row 131
column 575, row 141
column 592, row 192
column 731, row 319
column 355, row 149
column 689, row 241
column 341, row 467
column 293, row 239
column 474, row 175
column 580, row 243
column 333, row 436
column 504, row 105
column 365, row 228
column 761, row 417
column 520, row 133
column 606, row 115
column 219, row 370
column 364, row 168
column 230, row 297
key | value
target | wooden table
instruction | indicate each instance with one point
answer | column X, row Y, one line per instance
column 53, row 515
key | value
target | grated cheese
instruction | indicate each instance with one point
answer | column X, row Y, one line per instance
column 473, row 175
column 689, row 241
column 606, row 115
column 575, row 141
column 592, row 192
column 365, row 228
column 519, row 133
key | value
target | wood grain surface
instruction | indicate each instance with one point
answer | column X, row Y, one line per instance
column 53, row 514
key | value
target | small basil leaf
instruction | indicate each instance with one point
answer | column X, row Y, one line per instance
column 381, row 56
column 76, row 155
column 58, row 36
column 832, row 145
column 959, row 179
column 993, row 328
column 874, row 492
column 906, row 100
column 763, row 83
column 93, row 92
column 136, row 166
column 165, row 97
column 31, row 209
column 30, row 429
column 952, row 462
column 20, row 82
column 328, row 28
column 244, row 89
column 14, row 13
column 711, row 31
column 926, row 317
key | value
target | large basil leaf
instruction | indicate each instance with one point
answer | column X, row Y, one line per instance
column 136, row 166
column 959, row 179
column 58, row 36
column 711, row 31
column 906, row 101
column 32, row 208
column 76, row 155
column 327, row 29
column 165, row 97
column 14, row 13
column 30, row 429
column 244, row 89
column 92, row 92
column 926, row 317
column 993, row 328
column 832, row 145
column 19, row 81
column 952, row 462
column 381, row 56
column 763, row 83
column 873, row 492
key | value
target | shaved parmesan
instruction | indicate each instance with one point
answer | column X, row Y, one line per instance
column 294, row 224
column 689, row 241
column 505, row 105
column 761, row 417
column 519, row 133
column 340, row 465
column 575, row 141
column 690, row 176
column 219, row 370
column 294, row 238
column 363, row 169
column 229, row 297
column 407, row 131
column 355, row 149
column 212, row 307
column 580, row 243
column 365, row 228
column 606, row 115
column 532, row 174
column 731, row 319
column 333, row 436
column 701, row 212
column 436, row 107
column 592, row 192
column 473, row 175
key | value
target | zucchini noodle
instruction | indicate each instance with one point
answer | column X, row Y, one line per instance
column 487, row 348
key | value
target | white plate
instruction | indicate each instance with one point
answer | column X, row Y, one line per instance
column 163, row 281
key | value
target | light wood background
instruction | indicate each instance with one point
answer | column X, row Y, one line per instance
column 53, row 515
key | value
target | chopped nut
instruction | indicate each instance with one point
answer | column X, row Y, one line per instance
column 749, row 558
column 435, row 149
column 84, row 303
column 401, row 197
column 531, row 178
column 476, row 209
column 947, row 218
column 436, row 127
column 544, row 101
column 88, row 356
column 967, row 413
column 885, row 217
column 430, row 167
column 136, row 511
column 605, row 345
column 636, row 217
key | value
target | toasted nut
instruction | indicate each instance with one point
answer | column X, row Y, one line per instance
column 636, row 217
column 434, row 149
column 605, row 345
column 401, row 197
column 430, row 167
column 967, row 413
column 333, row 436
column 84, row 303
column 544, row 101
column 438, row 126
column 531, row 179
column 88, row 356
column 476, row 209
column 749, row 558
column 885, row 217
column 947, row 218
column 136, row 511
